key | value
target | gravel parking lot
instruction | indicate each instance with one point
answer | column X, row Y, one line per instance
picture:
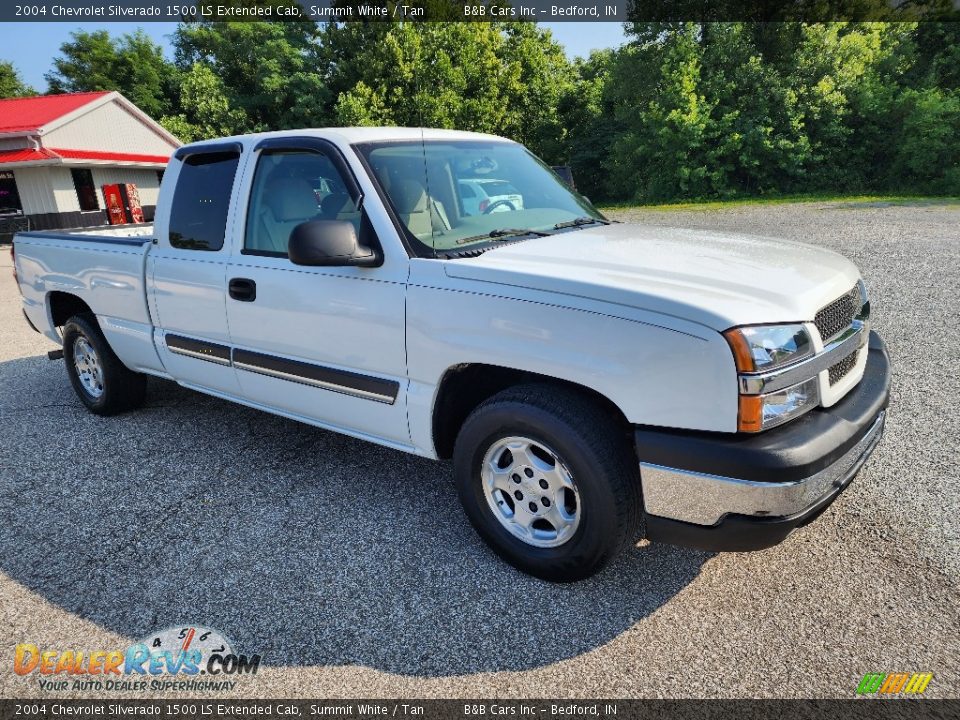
column 351, row 570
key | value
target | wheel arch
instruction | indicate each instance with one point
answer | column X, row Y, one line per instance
column 465, row 386
column 64, row 305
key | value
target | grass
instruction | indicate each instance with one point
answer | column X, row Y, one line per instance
column 780, row 199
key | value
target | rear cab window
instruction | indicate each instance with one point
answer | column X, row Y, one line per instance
column 198, row 214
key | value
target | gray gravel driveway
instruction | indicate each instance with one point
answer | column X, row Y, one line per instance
column 351, row 570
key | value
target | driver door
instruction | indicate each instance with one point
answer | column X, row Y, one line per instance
column 322, row 344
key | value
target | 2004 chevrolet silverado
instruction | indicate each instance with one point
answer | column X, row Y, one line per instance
column 593, row 382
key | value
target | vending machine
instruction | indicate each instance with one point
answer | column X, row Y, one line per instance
column 132, row 204
column 122, row 201
column 113, row 201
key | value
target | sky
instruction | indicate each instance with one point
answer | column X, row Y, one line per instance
column 31, row 47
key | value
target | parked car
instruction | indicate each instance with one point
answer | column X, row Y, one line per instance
column 483, row 196
column 593, row 383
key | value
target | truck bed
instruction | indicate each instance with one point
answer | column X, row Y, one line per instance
column 103, row 266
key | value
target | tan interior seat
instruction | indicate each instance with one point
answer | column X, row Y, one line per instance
column 423, row 215
column 291, row 201
column 336, row 204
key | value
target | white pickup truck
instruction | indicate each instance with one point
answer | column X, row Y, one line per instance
column 593, row 382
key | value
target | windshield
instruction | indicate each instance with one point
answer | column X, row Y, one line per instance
column 454, row 196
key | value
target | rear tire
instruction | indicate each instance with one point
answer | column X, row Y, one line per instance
column 103, row 383
column 549, row 480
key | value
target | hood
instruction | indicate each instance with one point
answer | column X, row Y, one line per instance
column 714, row 278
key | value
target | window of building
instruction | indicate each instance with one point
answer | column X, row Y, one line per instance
column 159, row 176
column 86, row 190
column 198, row 216
column 9, row 196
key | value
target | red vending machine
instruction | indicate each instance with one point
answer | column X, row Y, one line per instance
column 123, row 203
column 132, row 204
column 113, row 201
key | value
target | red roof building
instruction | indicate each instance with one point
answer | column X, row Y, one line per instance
column 30, row 114
column 58, row 152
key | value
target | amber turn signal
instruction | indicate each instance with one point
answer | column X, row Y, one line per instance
column 750, row 416
column 742, row 356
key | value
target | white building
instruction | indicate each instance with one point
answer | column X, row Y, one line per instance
column 58, row 151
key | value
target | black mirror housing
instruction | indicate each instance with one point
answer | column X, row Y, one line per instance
column 330, row 243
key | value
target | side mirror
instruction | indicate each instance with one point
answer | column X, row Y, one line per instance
column 329, row 243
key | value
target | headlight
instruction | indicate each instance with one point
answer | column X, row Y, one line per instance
column 759, row 349
column 764, row 347
column 762, row 412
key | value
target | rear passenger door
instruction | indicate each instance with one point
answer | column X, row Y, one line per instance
column 187, row 268
column 324, row 344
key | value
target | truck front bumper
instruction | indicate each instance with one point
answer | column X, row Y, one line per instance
column 748, row 492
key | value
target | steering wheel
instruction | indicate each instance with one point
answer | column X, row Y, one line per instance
column 494, row 205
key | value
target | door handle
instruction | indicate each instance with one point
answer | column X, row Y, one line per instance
column 243, row 289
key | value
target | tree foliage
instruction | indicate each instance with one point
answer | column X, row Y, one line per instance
column 11, row 84
column 505, row 78
column 267, row 71
column 722, row 109
column 205, row 110
column 682, row 110
column 132, row 64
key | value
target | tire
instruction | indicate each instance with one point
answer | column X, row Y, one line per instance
column 601, row 513
column 103, row 383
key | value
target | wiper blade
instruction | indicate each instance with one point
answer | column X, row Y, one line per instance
column 578, row 222
column 502, row 234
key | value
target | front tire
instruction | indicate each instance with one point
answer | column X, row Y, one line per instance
column 104, row 384
column 549, row 480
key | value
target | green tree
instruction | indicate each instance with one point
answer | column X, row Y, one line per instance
column 587, row 114
column 721, row 109
column 11, row 84
column 542, row 79
column 268, row 70
column 504, row 78
column 132, row 64
column 683, row 110
column 936, row 50
column 205, row 111
column 657, row 95
column 926, row 155
column 86, row 63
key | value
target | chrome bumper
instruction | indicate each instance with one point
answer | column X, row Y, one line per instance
column 703, row 499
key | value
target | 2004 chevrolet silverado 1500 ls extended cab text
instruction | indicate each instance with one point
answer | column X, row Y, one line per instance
column 592, row 381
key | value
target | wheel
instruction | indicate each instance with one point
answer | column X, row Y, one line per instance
column 549, row 480
column 103, row 383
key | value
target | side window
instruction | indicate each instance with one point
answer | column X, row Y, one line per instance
column 86, row 190
column 466, row 191
column 291, row 187
column 198, row 216
column 9, row 196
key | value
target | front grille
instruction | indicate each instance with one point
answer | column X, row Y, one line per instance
column 838, row 315
column 839, row 371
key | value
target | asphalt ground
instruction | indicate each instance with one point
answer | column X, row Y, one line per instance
column 352, row 571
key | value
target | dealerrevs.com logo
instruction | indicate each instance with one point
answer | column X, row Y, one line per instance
column 188, row 657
